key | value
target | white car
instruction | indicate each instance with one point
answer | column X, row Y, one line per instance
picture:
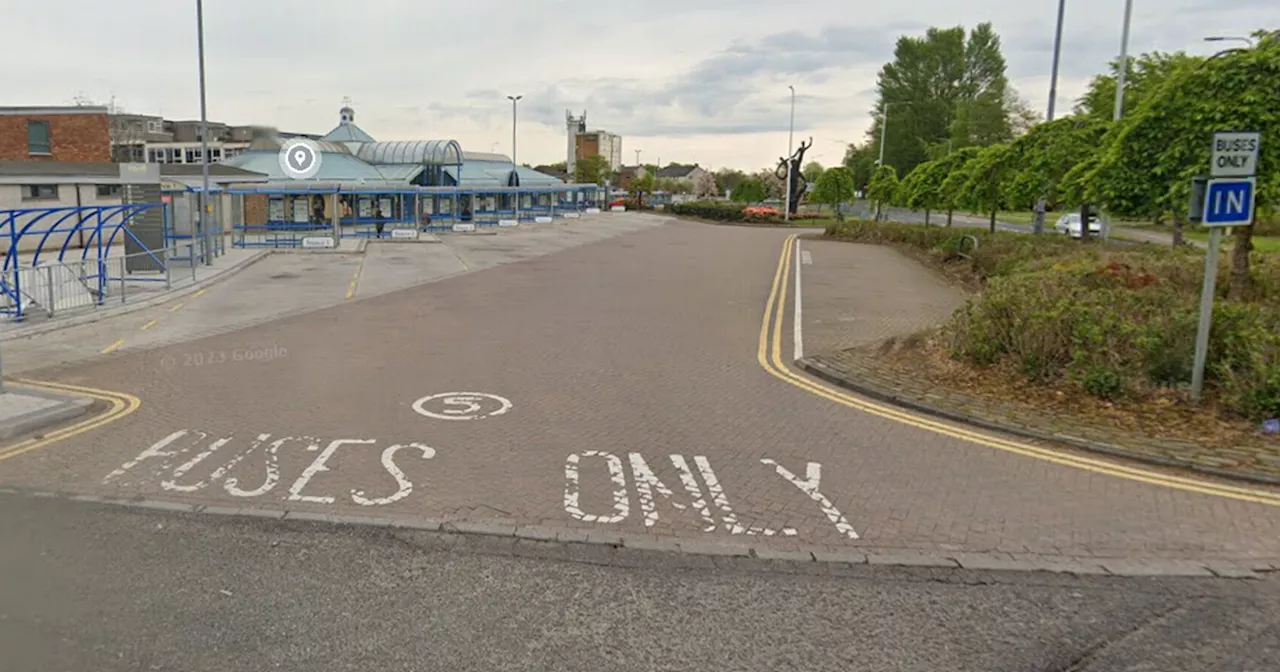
column 1069, row 224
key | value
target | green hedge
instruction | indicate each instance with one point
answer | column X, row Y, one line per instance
column 713, row 210
column 1120, row 322
column 720, row 211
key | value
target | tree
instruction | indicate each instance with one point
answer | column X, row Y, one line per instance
column 984, row 180
column 642, row 185
column 884, row 188
column 749, row 190
column 861, row 162
column 834, row 187
column 591, row 170
column 705, row 186
column 727, row 179
column 941, row 89
column 774, row 186
column 952, row 168
column 1145, row 75
column 811, row 171
column 1169, row 131
column 1048, row 152
column 923, row 187
column 1021, row 117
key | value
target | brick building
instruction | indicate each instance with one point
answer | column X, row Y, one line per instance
column 76, row 134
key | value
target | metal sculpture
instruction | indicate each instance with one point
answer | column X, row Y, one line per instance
column 798, row 185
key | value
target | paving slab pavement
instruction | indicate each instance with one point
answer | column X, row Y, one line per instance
column 612, row 389
column 24, row 410
column 861, row 294
column 294, row 282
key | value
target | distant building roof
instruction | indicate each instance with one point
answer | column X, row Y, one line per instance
column 72, row 172
column 219, row 169
column 485, row 156
column 347, row 132
column 57, row 169
column 53, row 109
column 497, row 174
column 553, row 171
column 676, row 172
column 436, row 152
column 334, row 167
column 273, row 143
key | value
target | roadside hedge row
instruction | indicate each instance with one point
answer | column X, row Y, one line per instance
column 720, row 211
column 1120, row 322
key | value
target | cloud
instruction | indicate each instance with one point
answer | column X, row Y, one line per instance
column 691, row 80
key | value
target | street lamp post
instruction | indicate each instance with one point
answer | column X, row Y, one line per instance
column 1226, row 38
column 514, row 176
column 791, row 131
column 1037, row 222
column 202, row 228
column 1118, row 111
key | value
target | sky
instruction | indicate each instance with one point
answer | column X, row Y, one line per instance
column 689, row 81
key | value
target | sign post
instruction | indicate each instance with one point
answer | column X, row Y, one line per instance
column 1224, row 201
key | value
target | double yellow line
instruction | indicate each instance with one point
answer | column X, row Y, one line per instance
column 769, row 355
column 151, row 323
column 355, row 280
column 121, row 405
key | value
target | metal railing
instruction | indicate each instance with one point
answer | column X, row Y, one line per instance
column 52, row 289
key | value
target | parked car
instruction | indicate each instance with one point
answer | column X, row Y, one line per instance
column 1069, row 224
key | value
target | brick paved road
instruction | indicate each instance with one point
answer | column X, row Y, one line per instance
column 636, row 354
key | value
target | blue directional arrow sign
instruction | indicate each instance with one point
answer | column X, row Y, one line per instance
column 1229, row 202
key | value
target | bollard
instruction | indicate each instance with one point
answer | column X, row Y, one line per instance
column 168, row 270
column 122, row 285
column 191, row 250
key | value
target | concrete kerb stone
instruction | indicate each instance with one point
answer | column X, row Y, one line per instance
column 886, row 557
column 819, row 370
column 107, row 313
column 68, row 407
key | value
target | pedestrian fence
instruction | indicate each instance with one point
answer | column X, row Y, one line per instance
column 56, row 288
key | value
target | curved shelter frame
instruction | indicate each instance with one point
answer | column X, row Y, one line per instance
column 93, row 229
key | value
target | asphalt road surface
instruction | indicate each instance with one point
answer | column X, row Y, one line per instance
column 637, row 384
column 88, row 587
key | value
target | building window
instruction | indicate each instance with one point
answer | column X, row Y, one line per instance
column 153, row 126
column 39, row 192
column 38, row 141
column 108, row 190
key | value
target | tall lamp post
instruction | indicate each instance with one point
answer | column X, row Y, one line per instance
column 514, row 176
column 1117, row 110
column 202, row 229
column 1226, row 38
column 791, row 132
column 1037, row 222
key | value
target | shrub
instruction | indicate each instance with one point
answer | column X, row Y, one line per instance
column 736, row 212
column 1115, row 321
column 716, row 211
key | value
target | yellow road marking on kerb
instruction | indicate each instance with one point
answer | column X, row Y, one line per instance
column 113, row 347
column 122, row 404
column 355, row 279
column 769, row 355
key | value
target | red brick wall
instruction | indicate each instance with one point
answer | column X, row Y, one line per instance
column 73, row 137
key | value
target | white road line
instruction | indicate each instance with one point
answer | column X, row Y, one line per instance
column 805, row 257
column 797, row 331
